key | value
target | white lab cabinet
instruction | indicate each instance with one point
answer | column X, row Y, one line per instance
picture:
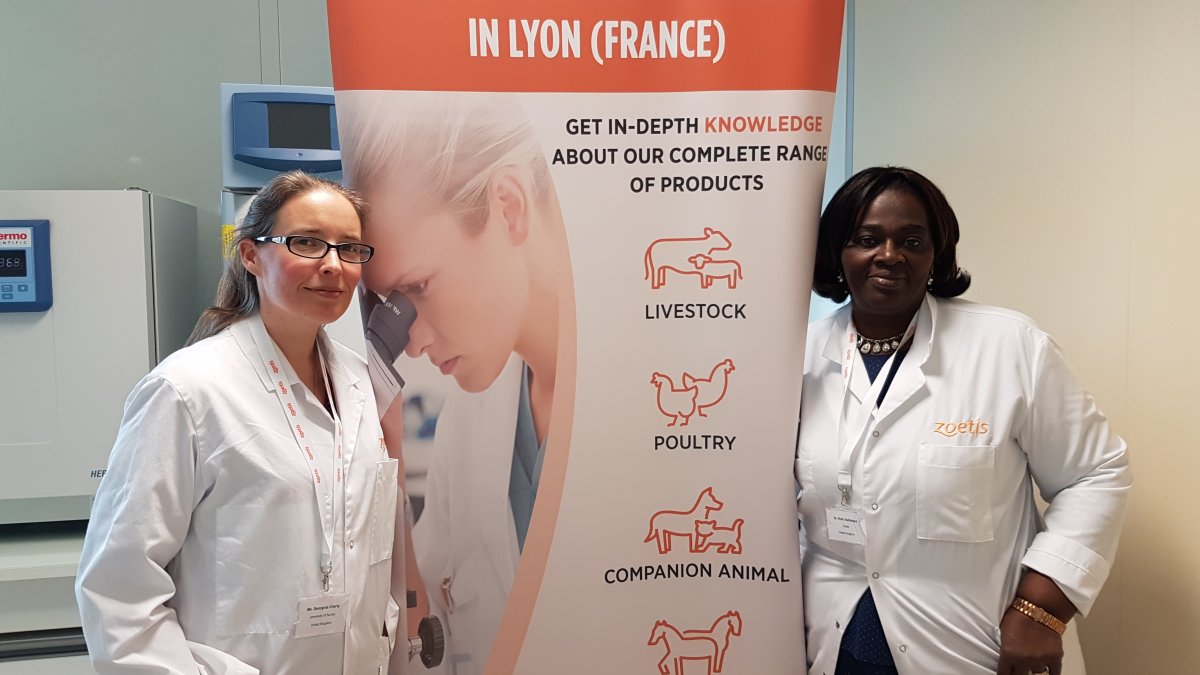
column 123, row 272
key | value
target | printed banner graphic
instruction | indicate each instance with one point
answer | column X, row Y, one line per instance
column 594, row 228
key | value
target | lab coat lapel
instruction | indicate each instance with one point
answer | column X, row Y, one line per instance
column 348, row 393
column 910, row 378
column 496, row 418
column 244, row 338
column 832, row 353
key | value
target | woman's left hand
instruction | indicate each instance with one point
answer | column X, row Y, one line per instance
column 1027, row 646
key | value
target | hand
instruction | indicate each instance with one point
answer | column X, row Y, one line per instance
column 1027, row 646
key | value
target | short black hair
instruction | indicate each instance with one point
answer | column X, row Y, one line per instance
column 845, row 212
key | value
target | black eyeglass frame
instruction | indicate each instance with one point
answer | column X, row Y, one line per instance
column 342, row 248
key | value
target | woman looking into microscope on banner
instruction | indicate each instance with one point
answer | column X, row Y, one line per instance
column 467, row 226
column 923, row 420
column 245, row 524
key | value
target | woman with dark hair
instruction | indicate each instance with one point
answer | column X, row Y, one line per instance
column 926, row 423
column 245, row 522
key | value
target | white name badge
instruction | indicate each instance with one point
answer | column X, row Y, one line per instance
column 322, row 615
column 845, row 525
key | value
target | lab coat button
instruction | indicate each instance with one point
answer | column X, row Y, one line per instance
column 874, row 507
column 903, row 648
column 875, row 434
column 351, row 543
column 874, row 575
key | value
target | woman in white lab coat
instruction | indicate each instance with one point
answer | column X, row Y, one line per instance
column 926, row 424
column 466, row 223
column 245, row 523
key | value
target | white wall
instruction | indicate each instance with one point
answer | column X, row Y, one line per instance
column 1064, row 135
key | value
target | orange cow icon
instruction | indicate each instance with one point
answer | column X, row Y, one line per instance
column 729, row 270
column 709, row 645
column 674, row 254
column 665, row 524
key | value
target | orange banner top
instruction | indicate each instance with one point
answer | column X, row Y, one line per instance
column 606, row 46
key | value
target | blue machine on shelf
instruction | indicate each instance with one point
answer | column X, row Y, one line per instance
column 282, row 130
column 270, row 128
column 267, row 129
column 25, row 266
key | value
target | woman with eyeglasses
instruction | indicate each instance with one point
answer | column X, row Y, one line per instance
column 245, row 523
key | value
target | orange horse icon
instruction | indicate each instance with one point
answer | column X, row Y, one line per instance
column 695, row 645
column 665, row 524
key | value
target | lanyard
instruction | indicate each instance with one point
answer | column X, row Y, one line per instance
column 328, row 493
column 866, row 411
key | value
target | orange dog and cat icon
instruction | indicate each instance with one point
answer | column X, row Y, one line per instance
column 703, row 534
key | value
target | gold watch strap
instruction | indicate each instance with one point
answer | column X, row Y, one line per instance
column 1039, row 615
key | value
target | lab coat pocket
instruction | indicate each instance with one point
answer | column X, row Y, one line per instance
column 954, row 492
column 475, row 600
column 257, row 570
column 383, row 511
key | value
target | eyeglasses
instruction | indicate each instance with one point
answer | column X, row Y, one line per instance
column 311, row 247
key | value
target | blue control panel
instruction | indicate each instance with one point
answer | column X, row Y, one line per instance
column 25, row 266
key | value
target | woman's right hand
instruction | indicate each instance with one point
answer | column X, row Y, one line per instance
column 1027, row 646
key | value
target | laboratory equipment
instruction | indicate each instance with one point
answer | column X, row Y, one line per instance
column 103, row 288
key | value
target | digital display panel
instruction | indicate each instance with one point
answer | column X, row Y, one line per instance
column 13, row 264
column 299, row 125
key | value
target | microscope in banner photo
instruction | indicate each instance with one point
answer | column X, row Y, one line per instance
column 387, row 323
column 270, row 129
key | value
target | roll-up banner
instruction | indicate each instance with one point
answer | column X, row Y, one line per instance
column 594, row 227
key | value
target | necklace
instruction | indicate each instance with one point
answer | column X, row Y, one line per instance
column 867, row 345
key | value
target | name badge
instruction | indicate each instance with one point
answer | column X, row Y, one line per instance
column 321, row 615
column 845, row 525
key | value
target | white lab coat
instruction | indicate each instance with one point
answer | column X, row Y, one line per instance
column 205, row 532
column 466, row 537
column 950, row 517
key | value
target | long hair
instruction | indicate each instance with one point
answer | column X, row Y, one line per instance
column 237, row 292
column 845, row 213
column 439, row 150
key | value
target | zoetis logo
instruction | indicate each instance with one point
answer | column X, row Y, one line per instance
column 952, row 429
column 15, row 238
